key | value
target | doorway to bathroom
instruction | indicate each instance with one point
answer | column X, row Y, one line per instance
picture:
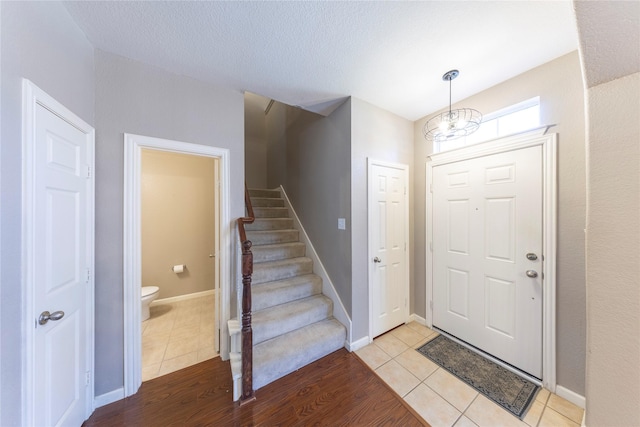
column 178, row 255
column 176, row 248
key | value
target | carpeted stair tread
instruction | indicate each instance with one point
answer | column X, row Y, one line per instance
column 283, row 318
column 278, row 292
column 272, row 236
column 264, row 224
column 281, row 269
column 282, row 355
column 270, row 212
column 263, row 253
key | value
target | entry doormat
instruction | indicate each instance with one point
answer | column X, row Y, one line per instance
column 507, row 389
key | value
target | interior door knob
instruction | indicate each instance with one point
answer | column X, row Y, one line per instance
column 45, row 316
column 532, row 273
column 376, row 259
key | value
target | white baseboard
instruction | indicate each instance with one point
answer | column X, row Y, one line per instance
column 107, row 398
column 571, row 396
column 358, row 344
column 185, row 297
column 415, row 318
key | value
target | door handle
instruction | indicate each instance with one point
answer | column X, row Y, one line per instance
column 45, row 316
column 531, row 273
column 376, row 259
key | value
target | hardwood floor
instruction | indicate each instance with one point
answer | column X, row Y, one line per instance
column 337, row 390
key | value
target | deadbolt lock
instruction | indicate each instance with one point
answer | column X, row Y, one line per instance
column 531, row 256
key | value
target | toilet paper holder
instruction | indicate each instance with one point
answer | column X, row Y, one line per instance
column 179, row 268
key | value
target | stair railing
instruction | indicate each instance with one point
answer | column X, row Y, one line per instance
column 246, row 331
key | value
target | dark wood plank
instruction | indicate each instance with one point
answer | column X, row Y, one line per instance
column 337, row 390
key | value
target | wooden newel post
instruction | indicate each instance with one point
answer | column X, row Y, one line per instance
column 247, row 333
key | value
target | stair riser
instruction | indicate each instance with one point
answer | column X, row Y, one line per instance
column 272, row 237
column 263, row 202
column 261, row 224
column 317, row 310
column 274, row 194
column 262, row 212
column 277, row 252
column 272, row 297
column 262, row 274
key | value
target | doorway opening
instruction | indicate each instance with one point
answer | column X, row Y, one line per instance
column 175, row 240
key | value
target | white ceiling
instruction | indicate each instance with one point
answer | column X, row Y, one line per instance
column 390, row 54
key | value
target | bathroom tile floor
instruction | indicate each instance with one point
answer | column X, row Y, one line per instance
column 178, row 334
column 444, row 400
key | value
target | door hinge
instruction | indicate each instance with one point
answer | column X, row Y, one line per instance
column 88, row 275
column 87, row 379
column 87, row 171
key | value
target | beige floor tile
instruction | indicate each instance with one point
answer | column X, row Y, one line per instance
column 533, row 414
column 178, row 347
column 158, row 328
column 397, row 377
column 416, row 363
column 566, row 408
column 153, row 353
column 551, row 418
column 451, row 389
column 485, row 413
column 433, row 408
column 465, row 422
column 206, row 354
column 150, row 371
column 206, row 340
column 391, row 345
column 373, row 355
column 188, row 320
column 181, row 332
column 177, row 363
column 421, row 329
column 407, row 335
column 543, row 395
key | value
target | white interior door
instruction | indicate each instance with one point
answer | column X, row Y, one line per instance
column 487, row 260
column 62, row 236
column 388, row 256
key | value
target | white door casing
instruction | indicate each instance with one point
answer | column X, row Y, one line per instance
column 489, row 215
column 133, row 144
column 500, row 206
column 388, row 256
column 58, row 254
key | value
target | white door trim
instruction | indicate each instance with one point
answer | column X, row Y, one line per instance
column 31, row 97
column 549, row 228
column 133, row 145
column 405, row 168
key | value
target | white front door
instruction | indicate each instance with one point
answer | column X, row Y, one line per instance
column 388, row 256
column 487, row 244
column 61, row 245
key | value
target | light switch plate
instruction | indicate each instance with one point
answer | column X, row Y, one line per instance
column 341, row 224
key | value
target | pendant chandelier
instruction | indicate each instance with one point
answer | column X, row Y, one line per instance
column 452, row 124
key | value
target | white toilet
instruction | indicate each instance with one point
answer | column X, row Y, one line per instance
column 149, row 293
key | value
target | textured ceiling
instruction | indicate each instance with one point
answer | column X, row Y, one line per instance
column 310, row 54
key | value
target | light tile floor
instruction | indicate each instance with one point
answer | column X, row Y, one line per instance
column 178, row 334
column 444, row 400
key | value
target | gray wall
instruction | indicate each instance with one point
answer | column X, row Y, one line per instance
column 317, row 181
column 132, row 97
column 255, row 144
column 379, row 135
column 560, row 87
column 40, row 42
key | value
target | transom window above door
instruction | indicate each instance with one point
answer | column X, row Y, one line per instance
column 507, row 121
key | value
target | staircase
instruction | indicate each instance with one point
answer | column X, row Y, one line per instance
column 293, row 322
